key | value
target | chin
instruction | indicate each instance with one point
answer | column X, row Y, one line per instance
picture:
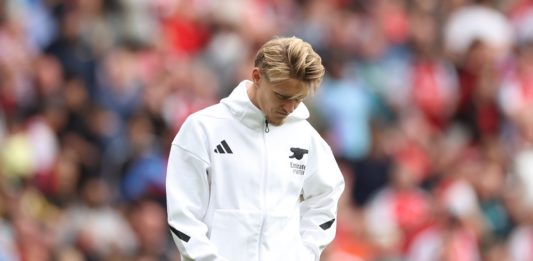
column 278, row 122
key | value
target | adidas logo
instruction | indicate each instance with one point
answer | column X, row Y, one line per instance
column 223, row 148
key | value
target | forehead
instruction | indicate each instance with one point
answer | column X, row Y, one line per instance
column 290, row 87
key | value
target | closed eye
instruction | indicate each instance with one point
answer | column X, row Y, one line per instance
column 286, row 98
column 282, row 97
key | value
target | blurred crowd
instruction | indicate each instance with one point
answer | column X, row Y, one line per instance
column 427, row 104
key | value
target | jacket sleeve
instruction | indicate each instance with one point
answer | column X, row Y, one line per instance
column 187, row 190
column 321, row 193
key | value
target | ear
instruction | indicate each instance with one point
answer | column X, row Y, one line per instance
column 256, row 75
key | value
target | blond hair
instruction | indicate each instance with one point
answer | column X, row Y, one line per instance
column 285, row 58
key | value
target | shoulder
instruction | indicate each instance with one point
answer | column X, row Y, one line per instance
column 316, row 138
column 310, row 130
column 216, row 111
column 206, row 116
column 303, row 128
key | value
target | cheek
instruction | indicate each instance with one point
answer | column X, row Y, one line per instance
column 269, row 103
column 275, row 106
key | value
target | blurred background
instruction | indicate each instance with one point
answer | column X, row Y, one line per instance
column 427, row 104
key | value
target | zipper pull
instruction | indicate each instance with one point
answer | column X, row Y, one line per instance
column 266, row 126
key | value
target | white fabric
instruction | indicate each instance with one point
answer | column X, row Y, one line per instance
column 246, row 205
column 460, row 199
column 521, row 244
column 477, row 22
column 523, row 165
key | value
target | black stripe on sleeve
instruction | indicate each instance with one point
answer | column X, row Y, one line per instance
column 180, row 234
column 327, row 225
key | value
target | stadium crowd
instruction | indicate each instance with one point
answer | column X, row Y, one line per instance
column 427, row 104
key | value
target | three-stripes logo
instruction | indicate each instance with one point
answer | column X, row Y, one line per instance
column 223, row 148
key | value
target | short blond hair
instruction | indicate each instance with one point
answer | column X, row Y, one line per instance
column 285, row 58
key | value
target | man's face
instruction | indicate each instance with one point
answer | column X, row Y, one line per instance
column 278, row 100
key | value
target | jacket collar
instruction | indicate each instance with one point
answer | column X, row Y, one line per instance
column 245, row 111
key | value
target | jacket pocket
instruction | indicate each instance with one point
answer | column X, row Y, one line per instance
column 235, row 233
column 282, row 240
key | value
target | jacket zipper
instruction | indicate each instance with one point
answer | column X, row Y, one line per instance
column 263, row 192
column 266, row 126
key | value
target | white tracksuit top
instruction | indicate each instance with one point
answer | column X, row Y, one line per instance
column 239, row 192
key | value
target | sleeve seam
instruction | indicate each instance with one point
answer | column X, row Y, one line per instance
column 191, row 153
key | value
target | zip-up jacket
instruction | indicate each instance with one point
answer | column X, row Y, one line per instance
column 239, row 189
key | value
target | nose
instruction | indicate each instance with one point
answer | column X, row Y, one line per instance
column 290, row 106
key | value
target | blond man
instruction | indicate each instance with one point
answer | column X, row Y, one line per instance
column 249, row 178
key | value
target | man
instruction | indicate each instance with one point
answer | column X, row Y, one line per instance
column 249, row 178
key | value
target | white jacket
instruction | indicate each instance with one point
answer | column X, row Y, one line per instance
column 239, row 189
